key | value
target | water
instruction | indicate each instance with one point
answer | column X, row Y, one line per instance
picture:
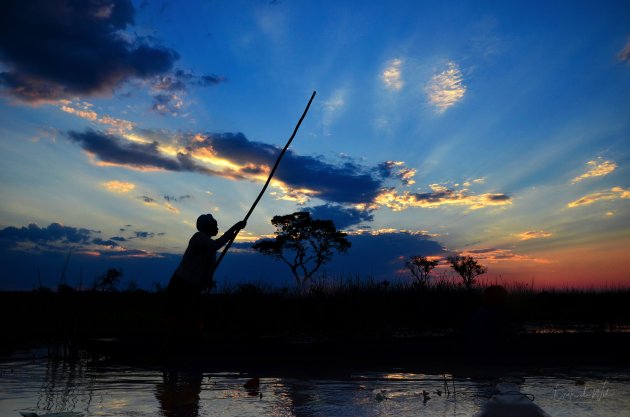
column 32, row 382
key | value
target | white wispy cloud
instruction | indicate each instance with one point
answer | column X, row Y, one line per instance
column 597, row 168
column 392, row 75
column 446, row 88
column 332, row 107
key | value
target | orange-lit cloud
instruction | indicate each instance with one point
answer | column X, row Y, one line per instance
column 534, row 234
column 492, row 255
column 82, row 113
column 446, row 88
column 439, row 196
column 382, row 231
column 88, row 253
column 84, row 110
column 615, row 193
column 171, row 208
column 119, row 186
column 597, row 168
column 392, row 76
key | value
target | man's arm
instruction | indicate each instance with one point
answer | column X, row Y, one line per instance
column 230, row 234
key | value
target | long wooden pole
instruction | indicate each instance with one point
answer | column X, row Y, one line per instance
column 273, row 171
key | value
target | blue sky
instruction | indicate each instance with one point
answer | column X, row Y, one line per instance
column 493, row 129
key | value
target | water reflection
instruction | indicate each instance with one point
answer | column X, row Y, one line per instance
column 45, row 386
column 178, row 393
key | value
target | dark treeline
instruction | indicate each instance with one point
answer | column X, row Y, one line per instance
column 347, row 310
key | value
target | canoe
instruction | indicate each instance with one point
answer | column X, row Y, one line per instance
column 509, row 401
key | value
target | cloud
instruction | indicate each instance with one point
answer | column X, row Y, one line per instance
column 533, row 234
column 180, row 198
column 343, row 217
column 181, row 80
column 299, row 178
column 392, row 75
column 446, row 88
column 615, row 193
column 84, row 110
column 397, row 169
column 143, row 235
column 304, row 175
column 113, row 150
column 494, row 255
column 170, row 89
column 59, row 238
column 439, row 196
column 119, row 186
column 624, row 54
column 597, row 168
column 332, row 107
column 167, row 103
column 109, row 243
column 147, row 199
column 61, row 49
column 54, row 232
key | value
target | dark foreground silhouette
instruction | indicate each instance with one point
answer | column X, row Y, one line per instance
column 365, row 325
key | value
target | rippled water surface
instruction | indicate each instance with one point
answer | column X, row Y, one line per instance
column 32, row 382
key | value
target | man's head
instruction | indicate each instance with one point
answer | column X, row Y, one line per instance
column 207, row 224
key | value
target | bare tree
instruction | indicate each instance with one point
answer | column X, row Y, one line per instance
column 303, row 243
column 421, row 267
column 468, row 268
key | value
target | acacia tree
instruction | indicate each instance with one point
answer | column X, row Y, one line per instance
column 108, row 280
column 468, row 268
column 421, row 267
column 303, row 243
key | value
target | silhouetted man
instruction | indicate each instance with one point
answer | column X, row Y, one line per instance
column 194, row 272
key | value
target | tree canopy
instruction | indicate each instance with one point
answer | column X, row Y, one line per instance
column 421, row 267
column 303, row 243
column 468, row 268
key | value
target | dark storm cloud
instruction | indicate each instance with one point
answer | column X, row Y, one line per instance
column 343, row 217
column 112, row 149
column 346, row 183
column 54, row 232
column 55, row 49
column 102, row 242
column 119, row 238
